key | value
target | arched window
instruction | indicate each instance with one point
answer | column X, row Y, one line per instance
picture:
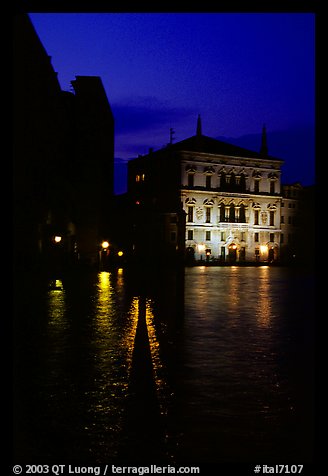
column 190, row 214
column 232, row 213
column 222, row 212
column 223, row 180
column 242, row 215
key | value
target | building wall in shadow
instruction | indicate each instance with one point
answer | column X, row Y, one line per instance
column 63, row 158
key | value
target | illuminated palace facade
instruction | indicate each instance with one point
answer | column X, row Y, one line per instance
column 230, row 198
column 232, row 204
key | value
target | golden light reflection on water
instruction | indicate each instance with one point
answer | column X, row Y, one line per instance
column 104, row 294
column 129, row 337
column 154, row 346
column 119, row 278
column 264, row 309
column 234, row 289
column 110, row 382
column 57, row 305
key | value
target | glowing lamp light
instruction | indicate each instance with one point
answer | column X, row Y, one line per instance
column 120, row 253
column 264, row 248
column 201, row 248
column 105, row 245
column 57, row 239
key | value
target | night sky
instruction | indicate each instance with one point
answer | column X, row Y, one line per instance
column 160, row 70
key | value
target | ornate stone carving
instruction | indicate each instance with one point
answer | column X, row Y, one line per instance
column 199, row 213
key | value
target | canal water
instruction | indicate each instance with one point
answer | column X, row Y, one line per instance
column 212, row 365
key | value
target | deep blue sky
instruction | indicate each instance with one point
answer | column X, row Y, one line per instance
column 160, row 70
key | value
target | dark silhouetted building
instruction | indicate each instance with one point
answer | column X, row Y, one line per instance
column 297, row 238
column 63, row 159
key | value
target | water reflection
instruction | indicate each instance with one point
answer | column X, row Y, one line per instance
column 157, row 362
column 264, row 308
column 234, row 295
column 142, row 371
column 143, row 423
column 56, row 304
column 111, row 340
column 238, row 396
column 58, row 326
column 129, row 337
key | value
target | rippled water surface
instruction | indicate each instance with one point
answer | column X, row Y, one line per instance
column 111, row 366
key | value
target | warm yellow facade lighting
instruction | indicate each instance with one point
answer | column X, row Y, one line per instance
column 264, row 248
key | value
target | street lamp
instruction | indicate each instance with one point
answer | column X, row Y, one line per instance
column 103, row 253
column 57, row 239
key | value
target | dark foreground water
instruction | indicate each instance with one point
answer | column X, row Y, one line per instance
column 112, row 367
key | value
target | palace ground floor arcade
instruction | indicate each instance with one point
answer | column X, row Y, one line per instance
column 232, row 243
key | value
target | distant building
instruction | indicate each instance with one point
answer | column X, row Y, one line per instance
column 231, row 199
column 63, row 159
column 297, row 224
